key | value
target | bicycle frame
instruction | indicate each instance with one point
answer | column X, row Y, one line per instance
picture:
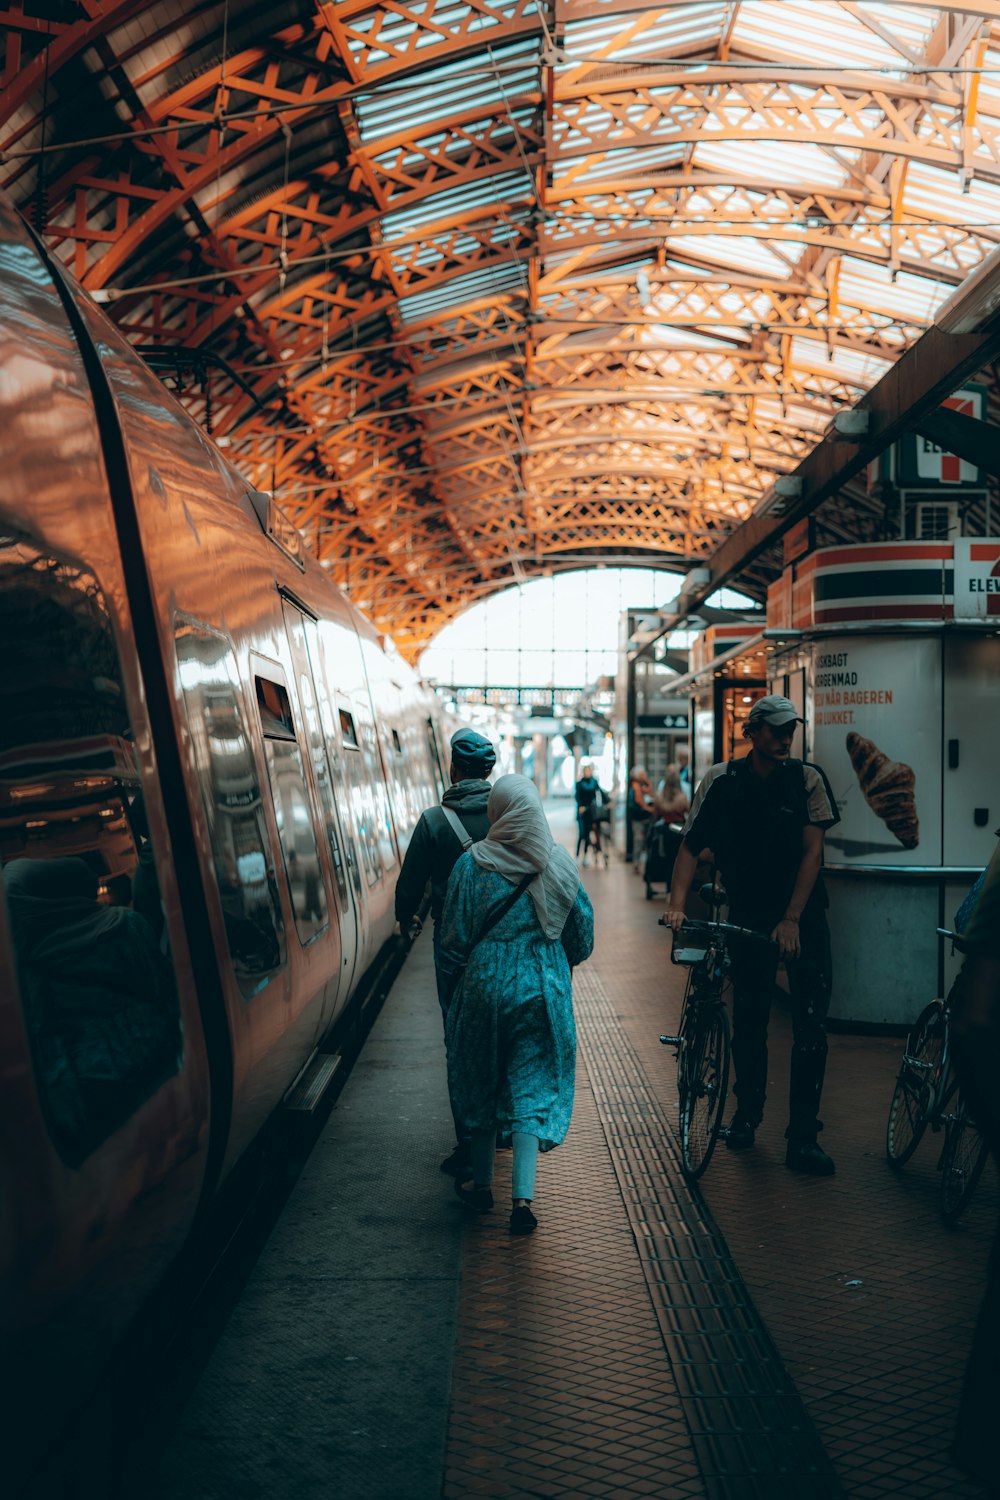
column 702, row 1041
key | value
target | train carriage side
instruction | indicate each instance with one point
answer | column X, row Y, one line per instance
column 104, row 1110
column 234, row 611
column 194, row 741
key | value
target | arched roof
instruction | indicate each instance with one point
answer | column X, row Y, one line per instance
column 510, row 284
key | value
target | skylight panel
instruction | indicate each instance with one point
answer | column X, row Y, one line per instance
column 739, row 252
column 479, row 285
column 909, row 297
column 618, row 37
column 806, row 31
column 482, row 198
column 613, row 168
column 936, row 194
column 666, row 336
column 851, row 365
column 488, row 83
column 788, row 163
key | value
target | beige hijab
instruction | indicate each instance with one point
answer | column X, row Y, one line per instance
column 520, row 843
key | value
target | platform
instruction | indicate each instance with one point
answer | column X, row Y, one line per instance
column 772, row 1336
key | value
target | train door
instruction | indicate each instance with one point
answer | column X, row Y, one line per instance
column 320, row 740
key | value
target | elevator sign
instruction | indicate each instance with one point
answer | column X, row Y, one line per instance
column 923, row 465
column 977, row 578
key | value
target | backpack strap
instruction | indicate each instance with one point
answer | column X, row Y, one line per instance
column 458, row 828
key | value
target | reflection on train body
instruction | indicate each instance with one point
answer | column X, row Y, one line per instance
column 208, row 769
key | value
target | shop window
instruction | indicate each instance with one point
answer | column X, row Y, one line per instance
column 83, row 905
column 292, row 811
column 231, row 797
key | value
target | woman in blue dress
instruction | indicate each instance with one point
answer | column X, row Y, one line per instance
column 509, row 1027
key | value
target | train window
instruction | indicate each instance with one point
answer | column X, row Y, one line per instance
column 224, row 765
column 348, row 730
column 275, row 709
column 395, row 742
column 435, row 754
column 292, row 811
column 95, row 973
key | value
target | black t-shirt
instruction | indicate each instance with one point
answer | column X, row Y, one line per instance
column 753, row 825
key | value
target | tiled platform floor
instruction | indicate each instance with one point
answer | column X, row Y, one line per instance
column 877, row 1363
column 385, row 1350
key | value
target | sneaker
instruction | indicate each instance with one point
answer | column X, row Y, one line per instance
column 740, row 1134
column 809, row 1157
column 459, row 1163
column 522, row 1221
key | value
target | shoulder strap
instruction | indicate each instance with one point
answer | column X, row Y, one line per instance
column 505, row 906
column 458, row 828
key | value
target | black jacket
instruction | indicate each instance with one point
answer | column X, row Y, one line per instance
column 434, row 848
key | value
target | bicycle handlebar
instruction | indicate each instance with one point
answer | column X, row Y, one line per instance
column 700, row 929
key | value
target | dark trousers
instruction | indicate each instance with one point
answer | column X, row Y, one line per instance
column 809, row 977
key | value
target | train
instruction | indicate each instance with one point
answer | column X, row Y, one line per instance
column 210, row 766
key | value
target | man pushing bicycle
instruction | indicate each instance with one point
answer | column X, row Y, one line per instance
column 764, row 818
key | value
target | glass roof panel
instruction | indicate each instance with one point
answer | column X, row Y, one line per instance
column 617, row 35
column 904, row 296
column 486, row 282
column 480, row 199
column 485, row 83
column 792, row 163
column 740, row 252
column 821, row 32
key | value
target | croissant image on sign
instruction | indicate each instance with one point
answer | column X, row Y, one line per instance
column 889, row 788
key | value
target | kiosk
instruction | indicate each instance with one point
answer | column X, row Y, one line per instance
column 894, row 650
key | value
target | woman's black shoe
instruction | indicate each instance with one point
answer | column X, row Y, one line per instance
column 479, row 1200
column 522, row 1221
column 459, row 1163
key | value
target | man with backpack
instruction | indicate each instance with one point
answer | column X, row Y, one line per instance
column 442, row 834
column 764, row 818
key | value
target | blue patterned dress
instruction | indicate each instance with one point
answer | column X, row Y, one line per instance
column 509, row 1028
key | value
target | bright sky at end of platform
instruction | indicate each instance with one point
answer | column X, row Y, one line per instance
column 560, row 631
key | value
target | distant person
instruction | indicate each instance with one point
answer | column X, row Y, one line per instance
column 976, row 1033
column 640, row 808
column 682, row 759
column 440, row 836
column 515, row 923
column 589, row 796
column 764, row 819
column 99, row 998
column 673, row 801
column 663, row 837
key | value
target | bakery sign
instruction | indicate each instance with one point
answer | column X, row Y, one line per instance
column 977, row 578
column 875, row 736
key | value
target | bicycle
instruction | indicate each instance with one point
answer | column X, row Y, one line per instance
column 927, row 1093
column 703, row 1040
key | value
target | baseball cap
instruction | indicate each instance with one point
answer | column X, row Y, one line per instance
column 473, row 749
column 774, row 710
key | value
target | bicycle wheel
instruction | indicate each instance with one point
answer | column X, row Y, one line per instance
column 913, row 1096
column 703, row 1096
column 962, row 1162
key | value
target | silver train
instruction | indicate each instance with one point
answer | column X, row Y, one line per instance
column 209, row 769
